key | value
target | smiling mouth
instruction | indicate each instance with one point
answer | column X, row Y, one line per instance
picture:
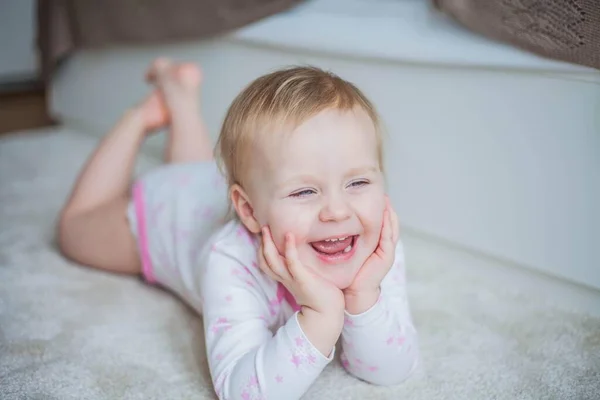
column 338, row 249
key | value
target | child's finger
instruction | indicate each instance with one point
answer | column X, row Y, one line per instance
column 294, row 266
column 272, row 257
column 386, row 241
column 395, row 225
column 393, row 219
column 263, row 264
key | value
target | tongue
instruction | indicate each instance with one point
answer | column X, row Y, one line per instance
column 332, row 247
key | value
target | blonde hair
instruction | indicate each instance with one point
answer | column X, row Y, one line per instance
column 286, row 97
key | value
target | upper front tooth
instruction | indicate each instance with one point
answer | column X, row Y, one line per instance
column 335, row 240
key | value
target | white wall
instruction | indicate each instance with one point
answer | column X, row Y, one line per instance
column 505, row 163
column 18, row 58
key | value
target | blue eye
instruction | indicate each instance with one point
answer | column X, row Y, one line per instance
column 359, row 183
column 303, row 193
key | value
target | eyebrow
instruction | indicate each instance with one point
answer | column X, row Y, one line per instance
column 362, row 170
column 296, row 179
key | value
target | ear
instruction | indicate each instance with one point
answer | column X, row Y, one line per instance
column 243, row 208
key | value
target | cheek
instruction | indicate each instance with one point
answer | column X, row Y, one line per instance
column 371, row 215
column 282, row 220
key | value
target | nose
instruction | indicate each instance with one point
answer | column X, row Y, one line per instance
column 335, row 209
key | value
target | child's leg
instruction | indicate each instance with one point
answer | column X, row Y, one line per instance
column 93, row 228
column 179, row 85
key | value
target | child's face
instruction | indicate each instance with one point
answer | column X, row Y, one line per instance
column 322, row 181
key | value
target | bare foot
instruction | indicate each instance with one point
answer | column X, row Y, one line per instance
column 178, row 83
column 154, row 112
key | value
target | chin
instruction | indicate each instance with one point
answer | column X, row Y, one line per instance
column 342, row 283
column 342, row 277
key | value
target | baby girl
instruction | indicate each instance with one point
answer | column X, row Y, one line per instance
column 288, row 247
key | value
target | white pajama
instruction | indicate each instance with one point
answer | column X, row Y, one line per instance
column 256, row 348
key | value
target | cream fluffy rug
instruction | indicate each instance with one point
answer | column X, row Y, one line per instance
column 68, row 332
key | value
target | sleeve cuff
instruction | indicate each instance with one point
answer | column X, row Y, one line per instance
column 301, row 341
column 377, row 311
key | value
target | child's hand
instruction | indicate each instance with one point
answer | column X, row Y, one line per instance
column 310, row 290
column 365, row 289
column 322, row 314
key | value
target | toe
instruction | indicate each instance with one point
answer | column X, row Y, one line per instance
column 158, row 67
column 189, row 74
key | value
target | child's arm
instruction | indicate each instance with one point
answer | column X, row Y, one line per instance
column 380, row 344
column 246, row 360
